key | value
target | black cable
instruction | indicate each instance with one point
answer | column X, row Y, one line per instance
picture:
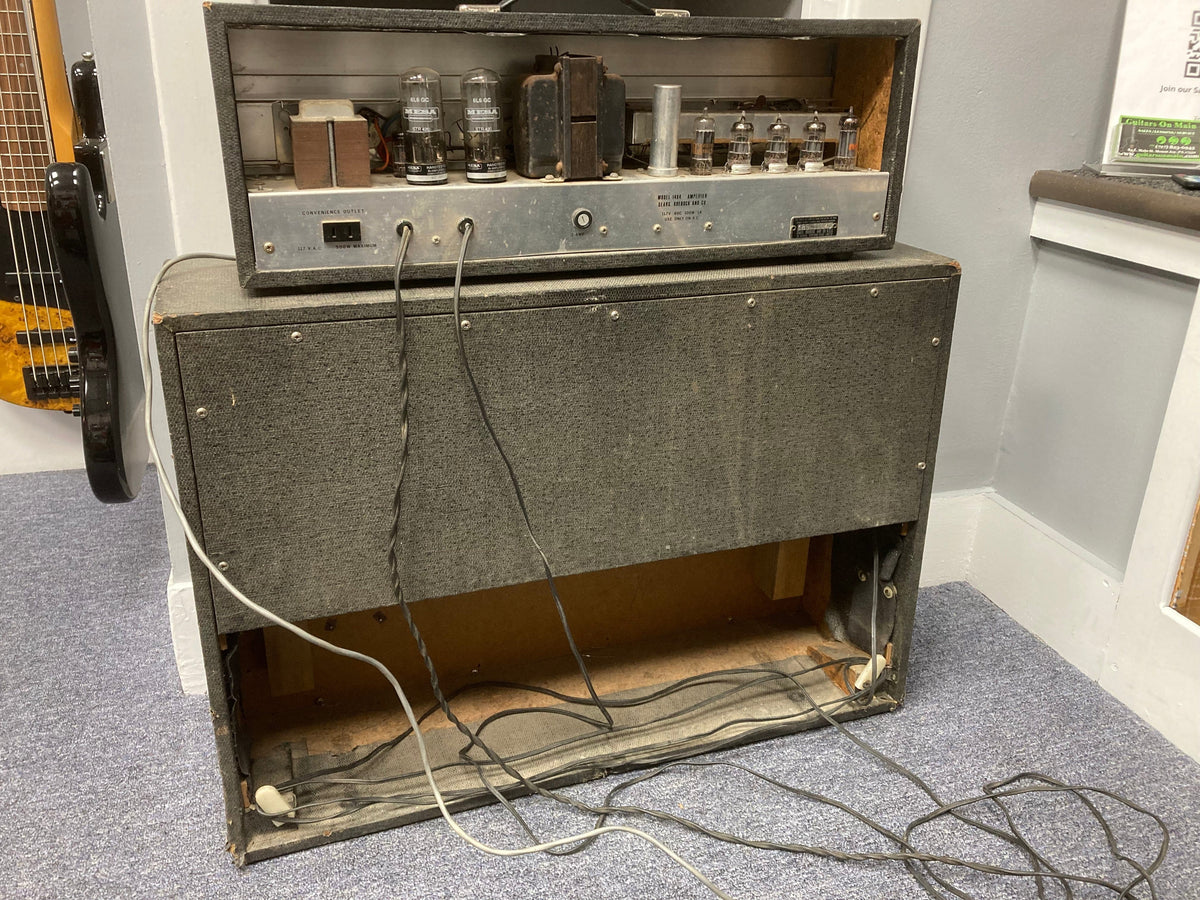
column 467, row 227
column 918, row 863
column 638, row 6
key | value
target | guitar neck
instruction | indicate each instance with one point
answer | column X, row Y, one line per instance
column 26, row 141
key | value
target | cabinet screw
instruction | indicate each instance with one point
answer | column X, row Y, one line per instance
column 615, row 314
column 268, row 247
column 223, row 566
column 708, row 226
column 465, row 324
column 921, row 466
column 937, row 342
column 752, row 303
column 604, row 229
column 201, row 412
column 889, row 591
column 296, row 337
column 657, row 228
column 437, row 239
column 874, row 292
column 876, row 216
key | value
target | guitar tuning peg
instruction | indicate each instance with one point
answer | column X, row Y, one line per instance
column 76, row 411
column 73, row 355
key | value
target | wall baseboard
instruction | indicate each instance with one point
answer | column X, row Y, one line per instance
column 185, row 635
column 1047, row 583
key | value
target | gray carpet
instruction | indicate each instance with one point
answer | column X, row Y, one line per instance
column 108, row 786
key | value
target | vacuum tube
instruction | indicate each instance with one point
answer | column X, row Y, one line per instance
column 847, row 151
column 741, row 134
column 778, row 135
column 812, row 155
column 481, row 126
column 424, row 139
column 702, row 144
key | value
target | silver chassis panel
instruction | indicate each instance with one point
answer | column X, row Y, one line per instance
column 522, row 218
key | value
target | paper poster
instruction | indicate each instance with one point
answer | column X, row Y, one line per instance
column 1155, row 115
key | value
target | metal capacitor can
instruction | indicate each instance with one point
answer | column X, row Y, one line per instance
column 424, row 136
column 664, row 142
column 847, row 151
column 483, row 138
column 741, row 137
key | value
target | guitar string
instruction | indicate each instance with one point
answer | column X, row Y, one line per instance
column 27, row 156
column 50, row 269
column 4, row 188
column 13, row 74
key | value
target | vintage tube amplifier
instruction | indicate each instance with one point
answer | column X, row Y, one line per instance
column 571, row 105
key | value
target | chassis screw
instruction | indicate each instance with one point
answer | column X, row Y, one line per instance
column 657, row 228
column 708, row 226
column 604, row 229
column 876, row 216
column 268, row 247
column 437, row 239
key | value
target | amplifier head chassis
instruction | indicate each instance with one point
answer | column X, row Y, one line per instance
column 267, row 58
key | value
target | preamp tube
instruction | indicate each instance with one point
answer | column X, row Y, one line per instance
column 424, row 137
column 741, row 137
column 704, row 134
column 778, row 137
column 812, row 154
column 482, row 135
column 847, row 151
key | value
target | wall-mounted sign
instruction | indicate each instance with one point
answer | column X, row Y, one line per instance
column 1155, row 116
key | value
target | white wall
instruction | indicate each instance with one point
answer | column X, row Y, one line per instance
column 1006, row 89
column 1096, row 364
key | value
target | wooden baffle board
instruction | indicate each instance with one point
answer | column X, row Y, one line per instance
column 715, row 460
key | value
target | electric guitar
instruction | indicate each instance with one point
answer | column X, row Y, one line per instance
column 37, row 334
column 58, row 338
column 110, row 393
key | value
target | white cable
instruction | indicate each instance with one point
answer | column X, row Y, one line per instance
column 168, row 491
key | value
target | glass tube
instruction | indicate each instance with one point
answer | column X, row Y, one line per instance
column 482, row 136
column 778, row 138
column 703, row 136
column 847, row 151
column 741, row 136
column 424, row 137
column 812, row 155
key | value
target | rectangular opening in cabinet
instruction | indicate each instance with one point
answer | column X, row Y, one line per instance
column 689, row 655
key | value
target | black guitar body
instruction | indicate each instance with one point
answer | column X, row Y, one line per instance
column 111, row 399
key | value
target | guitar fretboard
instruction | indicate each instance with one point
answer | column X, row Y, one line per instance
column 26, row 147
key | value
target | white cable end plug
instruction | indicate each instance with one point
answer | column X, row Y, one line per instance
column 274, row 804
column 864, row 677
